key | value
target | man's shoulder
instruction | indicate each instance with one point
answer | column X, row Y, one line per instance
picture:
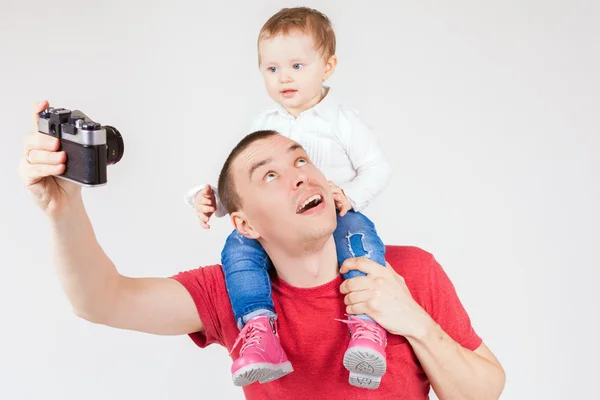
column 208, row 275
column 407, row 254
column 413, row 263
column 206, row 286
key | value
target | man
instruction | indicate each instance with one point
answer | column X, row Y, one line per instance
column 430, row 341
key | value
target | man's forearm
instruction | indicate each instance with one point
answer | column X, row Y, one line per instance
column 455, row 372
column 86, row 274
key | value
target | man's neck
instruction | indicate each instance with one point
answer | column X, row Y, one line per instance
column 313, row 266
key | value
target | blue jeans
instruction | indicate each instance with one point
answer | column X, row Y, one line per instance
column 246, row 264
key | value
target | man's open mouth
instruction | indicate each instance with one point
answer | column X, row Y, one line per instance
column 311, row 202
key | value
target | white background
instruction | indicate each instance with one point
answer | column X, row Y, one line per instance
column 488, row 112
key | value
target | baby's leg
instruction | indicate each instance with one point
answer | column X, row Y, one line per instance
column 261, row 358
column 245, row 265
column 365, row 358
column 355, row 236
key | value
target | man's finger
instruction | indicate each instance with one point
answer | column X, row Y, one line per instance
column 37, row 109
column 356, row 284
column 362, row 264
column 357, row 297
column 358, row 308
column 35, row 156
column 35, row 172
column 39, row 141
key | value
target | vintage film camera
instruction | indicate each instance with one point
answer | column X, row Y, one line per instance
column 90, row 147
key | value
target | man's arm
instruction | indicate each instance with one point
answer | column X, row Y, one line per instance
column 98, row 293
column 456, row 372
column 91, row 282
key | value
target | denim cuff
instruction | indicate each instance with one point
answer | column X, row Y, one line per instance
column 258, row 313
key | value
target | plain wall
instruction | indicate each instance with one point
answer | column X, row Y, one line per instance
column 487, row 111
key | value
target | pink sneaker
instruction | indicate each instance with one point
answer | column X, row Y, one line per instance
column 365, row 356
column 261, row 356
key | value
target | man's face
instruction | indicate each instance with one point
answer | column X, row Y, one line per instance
column 293, row 70
column 285, row 198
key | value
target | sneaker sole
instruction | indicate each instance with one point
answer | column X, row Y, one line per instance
column 281, row 371
column 262, row 372
column 366, row 367
column 364, row 381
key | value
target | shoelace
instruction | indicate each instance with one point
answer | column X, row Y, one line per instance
column 251, row 334
column 363, row 329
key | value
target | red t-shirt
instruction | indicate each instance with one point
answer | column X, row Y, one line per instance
column 315, row 342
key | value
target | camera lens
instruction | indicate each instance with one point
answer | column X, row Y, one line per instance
column 115, row 145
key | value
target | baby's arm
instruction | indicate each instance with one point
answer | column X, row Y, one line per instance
column 208, row 202
column 205, row 200
column 373, row 170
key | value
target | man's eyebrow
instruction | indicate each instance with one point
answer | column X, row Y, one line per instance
column 266, row 161
column 294, row 147
column 257, row 165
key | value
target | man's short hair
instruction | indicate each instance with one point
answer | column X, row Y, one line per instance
column 228, row 194
column 306, row 20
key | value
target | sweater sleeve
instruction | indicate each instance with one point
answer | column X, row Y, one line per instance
column 373, row 171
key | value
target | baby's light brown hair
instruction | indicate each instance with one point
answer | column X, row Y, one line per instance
column 306, row 20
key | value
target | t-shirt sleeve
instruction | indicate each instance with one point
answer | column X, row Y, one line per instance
column 206, row 285
column 446, row 309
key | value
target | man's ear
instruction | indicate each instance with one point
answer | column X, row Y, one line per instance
column 242, row 225
column 330, row 67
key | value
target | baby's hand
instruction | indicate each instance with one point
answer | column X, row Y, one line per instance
column 205, row 204
column 339, row 197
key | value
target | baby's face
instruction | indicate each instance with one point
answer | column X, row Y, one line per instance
column 293, row 70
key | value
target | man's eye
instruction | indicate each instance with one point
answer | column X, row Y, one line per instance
column 301, row 162
column 270, row 176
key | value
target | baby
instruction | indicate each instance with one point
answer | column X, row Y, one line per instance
column 296, row 55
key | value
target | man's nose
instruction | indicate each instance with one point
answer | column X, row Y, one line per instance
column 300, row 180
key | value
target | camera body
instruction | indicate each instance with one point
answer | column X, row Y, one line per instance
column 90, row 147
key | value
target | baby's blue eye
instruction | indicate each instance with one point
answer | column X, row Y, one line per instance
column 297, row 66
column 273, row 69
column 301, row 162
